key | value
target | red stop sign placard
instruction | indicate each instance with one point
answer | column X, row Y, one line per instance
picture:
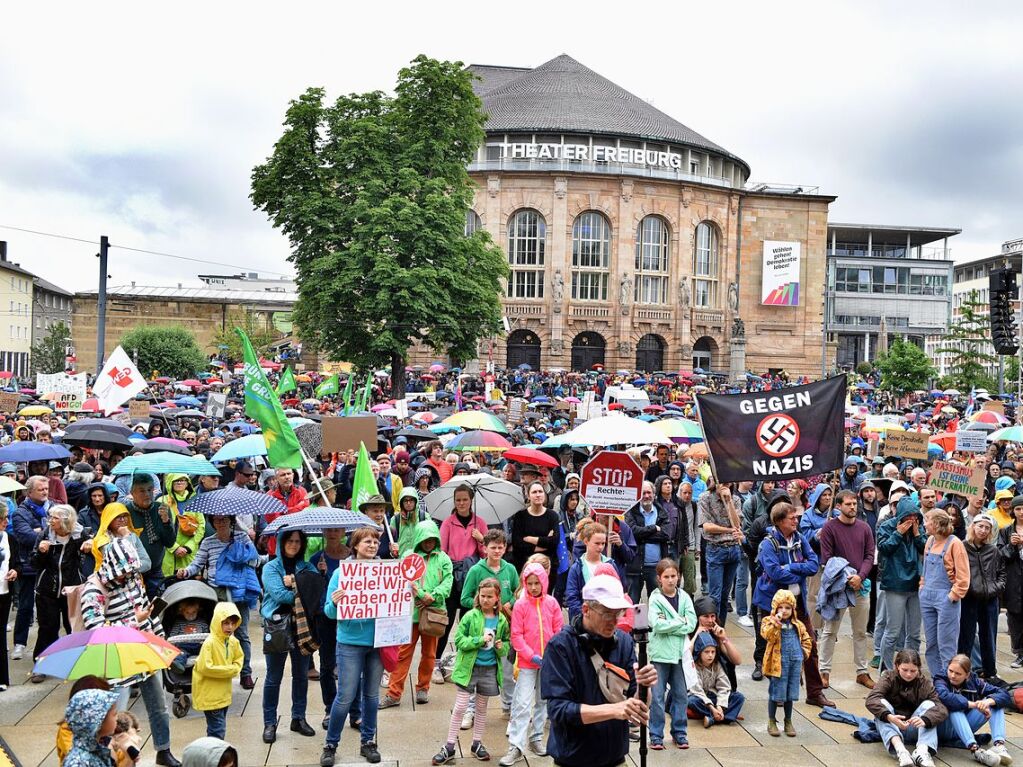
column 611, row 482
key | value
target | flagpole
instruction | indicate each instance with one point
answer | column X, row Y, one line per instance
column 166, row 422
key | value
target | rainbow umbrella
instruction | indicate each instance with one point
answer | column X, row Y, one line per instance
column 479, row 441
column 476, row 419
column 680, row 430
column 110, row 652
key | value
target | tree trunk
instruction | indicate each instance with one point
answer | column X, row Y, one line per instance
column 398, row 376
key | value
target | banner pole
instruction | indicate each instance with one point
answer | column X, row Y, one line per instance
column 166, row 422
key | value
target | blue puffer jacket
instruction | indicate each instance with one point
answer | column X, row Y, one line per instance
column 783, row 564
column 812, row 521
column 275, row 593
column 972, row 690
column 898, row 554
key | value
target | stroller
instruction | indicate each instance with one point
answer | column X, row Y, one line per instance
column 177, row 682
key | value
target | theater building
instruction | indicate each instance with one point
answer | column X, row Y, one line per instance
column 633, row 241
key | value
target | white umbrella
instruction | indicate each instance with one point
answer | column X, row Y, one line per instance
column 495, row 501
column 615, row 430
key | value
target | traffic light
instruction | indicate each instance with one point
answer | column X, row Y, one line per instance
column 1002, row 283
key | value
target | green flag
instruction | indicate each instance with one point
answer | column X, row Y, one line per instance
column 348, row 394
column 282, row 448
column 367, row 393
column 363, row 485
column 328, row 387
column 287, row 382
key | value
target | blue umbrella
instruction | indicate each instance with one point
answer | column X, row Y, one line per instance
column 190, row 401
column 245, row 447
column 639, row 382
column 865, row 386
column 164, row 463
column 525, row 366
column 244, row 428
column 316, row 519
column 648, row 418
column 234, row 501
column 22, row 452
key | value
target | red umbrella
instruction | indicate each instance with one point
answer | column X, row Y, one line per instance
column 162, row 379
column 616, row 406
column 946, row 439
column 531, row 456
column 90, row 405
column 190, row 382
column 653, row 409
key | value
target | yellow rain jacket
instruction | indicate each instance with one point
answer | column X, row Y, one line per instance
column 220, row 661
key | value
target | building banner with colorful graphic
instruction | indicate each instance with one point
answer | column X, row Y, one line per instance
column 780, row 286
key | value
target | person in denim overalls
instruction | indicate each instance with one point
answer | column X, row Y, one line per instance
column 788, row 643
column 940, row 595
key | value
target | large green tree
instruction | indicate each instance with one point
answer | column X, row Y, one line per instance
column 967, row 344
column 905, row 368
column 169, row 350
column 50, row 354
column 227, row 343
column 373, row 192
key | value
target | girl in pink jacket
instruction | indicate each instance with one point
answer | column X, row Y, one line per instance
column 536, row 617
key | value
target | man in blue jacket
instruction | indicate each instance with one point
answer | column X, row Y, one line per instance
column 900, row 546
column 590, row 710
column 786, row 560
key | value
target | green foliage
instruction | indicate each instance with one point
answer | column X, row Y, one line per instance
column 864, row 368
column 373, row 193
column 905, row 367
column 227, row 344
column 966, row 343
column 170, row 349
column 49, row 355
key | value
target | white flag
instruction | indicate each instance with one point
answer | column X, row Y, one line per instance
column 118, row 382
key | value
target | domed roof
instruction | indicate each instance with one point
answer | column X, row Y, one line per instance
column 565, row 96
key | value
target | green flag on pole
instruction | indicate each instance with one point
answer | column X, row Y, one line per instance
column 367, row 394
column 363, row 485
column 328, row 387
column 348, row 394
column 282, row 448
column 287, row 382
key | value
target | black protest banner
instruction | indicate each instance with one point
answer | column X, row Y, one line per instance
column 780, row 434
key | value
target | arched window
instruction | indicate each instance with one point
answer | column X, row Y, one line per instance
column 527, row 243
column 472, row 222
column 705, row 266
column 591, row 256
column 650, row 353
column 652, row 252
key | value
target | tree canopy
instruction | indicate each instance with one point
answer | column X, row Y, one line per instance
column 373, row 193
column 905, row 367
column 169, row 350
column 227, row 344
column 967, row 343
column 50, row 354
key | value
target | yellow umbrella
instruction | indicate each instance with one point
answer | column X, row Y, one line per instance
column 35, row 410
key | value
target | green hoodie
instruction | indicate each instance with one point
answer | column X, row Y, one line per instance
column 437, row 580
column 405, row 532
column 172, row 563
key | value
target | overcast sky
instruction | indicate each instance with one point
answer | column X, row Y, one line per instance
column 143, row 121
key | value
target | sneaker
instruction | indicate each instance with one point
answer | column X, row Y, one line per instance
column 385, row 680
column 1002, row 752
column 758, row 673
column 480, row 752
column 329, row 755
column 438, row 675
column 444, row 756
column 656, row 746
column 511, row 757
column 467, row 720
column 536, row 746
column 745, row 620
column 987, row 758
column 875, row 662
column 422, row 697
column 904, row 757
column 370, row 752
column 388, row 702
column 18, row 652
column 922, row 757
column 683, row 744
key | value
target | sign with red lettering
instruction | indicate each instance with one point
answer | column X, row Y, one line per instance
column 373, row 590
column 611, row 482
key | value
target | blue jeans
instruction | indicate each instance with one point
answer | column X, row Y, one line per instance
column 272, row 684
column 155, row 702
column 927, row 736
column 242, row 632
column 669, row 674
column 327, row 632
column 355, row 664
column 901, row 625
column 648, row 576
column 941, row 628
column 965, row 723
column 722, row 564
column 735, row 701
column 742, row 586
column 216, row 723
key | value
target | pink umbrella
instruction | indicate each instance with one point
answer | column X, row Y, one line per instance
column 425, row 417
column 378, row 408
column 436, row 368
column 573, row 400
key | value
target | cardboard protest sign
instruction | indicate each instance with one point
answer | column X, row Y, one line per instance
column 138, row 408
column 347, row 433
column 69, row 388
column 216, row 405
column 373, row 589
column 9, row 402
column 971, row 440
column 908, row 444
column 995, row 406
column 516, row 410
column 955, row 478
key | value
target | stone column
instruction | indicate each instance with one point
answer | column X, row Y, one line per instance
column 622, row 283
column 560, row 235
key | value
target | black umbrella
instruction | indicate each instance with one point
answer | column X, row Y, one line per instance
column 310, row 437
column 161, row 444
column 98, row 439
column 108, row 425
column 191, row 413
column 411, row 433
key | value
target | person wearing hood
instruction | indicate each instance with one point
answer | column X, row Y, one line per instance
column 220, row 660
column 900, row 544
column 811, row 523
column 116, row 595
column 896, row 491
column 433, row 590
column 980, row 606
column 279, row 589
column 209, row 752
column 688, row 537
column 57, row 559
column 852, row 477
column 96, row 497
column 408, row 515
column 710, row 694
column 91, row 715
column 1010, row 546
column 191, row 524
column 1000, row 509
column 536, row 617
column 115, row 522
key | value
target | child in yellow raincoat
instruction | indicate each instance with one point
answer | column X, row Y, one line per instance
column 220, row 660
column 788, row 645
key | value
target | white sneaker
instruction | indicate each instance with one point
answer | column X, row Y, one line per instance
column 1002, row 753
column 988, row 758
column 511, row 757
column 18, row 652
column 385, row 679
column 537, row 747
column 745, row 620
column 922, row 757
column 468, row 720
column 904, row 757
column 438, row 675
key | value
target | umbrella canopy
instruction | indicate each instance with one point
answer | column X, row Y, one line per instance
column 189, row 401
column 615, row 430
column 1008, row 434
column 479, row 441
column 316, row 519
column 109, row 652
column 190, row 413
column 477, row 419
column 530, row 456
column 988, row 416
column 426, row 418
column 8, row 485
column 234, row 501
column 163, row 463
column 164, row 444
column 35, row 410
column 442, row 428
column 680, row 430
column 413, row 434
column 495, row 500
column 104, row 424
column 946, row 440
column 98, row 439
column 190, row 382
column 698, row 450
column 22, row 452
column 982, row 426
column 245, row 447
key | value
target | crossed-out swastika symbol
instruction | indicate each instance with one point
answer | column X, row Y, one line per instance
column 778, row 435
